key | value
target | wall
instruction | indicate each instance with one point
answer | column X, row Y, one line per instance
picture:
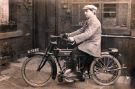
column 19, row 34
column 133, row 18
column 125, row 45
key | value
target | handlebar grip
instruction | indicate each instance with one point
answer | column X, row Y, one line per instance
column 54, row 36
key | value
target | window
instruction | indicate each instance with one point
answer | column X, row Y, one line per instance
column 8, row 15
column 4, row 11
column 109, row 15
column 109, row 10
column 8, row 27
column 115, row 15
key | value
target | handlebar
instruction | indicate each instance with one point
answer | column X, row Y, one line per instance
column 59, row 36
column 63, row 38
column 54, row 36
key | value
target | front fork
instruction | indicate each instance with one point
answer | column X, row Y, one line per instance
column 44, row 60
column 45, row 57
column 51, row 59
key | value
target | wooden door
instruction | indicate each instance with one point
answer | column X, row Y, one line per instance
column 44, row 13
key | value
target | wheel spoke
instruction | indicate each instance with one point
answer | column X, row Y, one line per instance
column 104, row 61
column 100, row 64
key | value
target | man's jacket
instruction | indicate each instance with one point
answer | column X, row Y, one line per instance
column 89, row 37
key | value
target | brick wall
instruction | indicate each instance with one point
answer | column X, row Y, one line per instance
column 20, row 38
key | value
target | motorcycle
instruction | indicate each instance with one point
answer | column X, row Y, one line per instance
column 40, row 67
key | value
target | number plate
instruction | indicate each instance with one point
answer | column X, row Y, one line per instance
column 33, row 50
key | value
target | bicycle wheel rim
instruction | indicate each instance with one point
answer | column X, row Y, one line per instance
column 32, row 76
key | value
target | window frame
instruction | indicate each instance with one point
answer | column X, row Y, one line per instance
column 117, row 30
column 12, row 21
column 10, row 30
column 5, row 12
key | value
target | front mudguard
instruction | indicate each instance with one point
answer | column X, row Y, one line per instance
column 36, row 53
column 51, row 60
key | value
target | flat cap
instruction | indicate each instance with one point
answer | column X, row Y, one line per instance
column 92, row 7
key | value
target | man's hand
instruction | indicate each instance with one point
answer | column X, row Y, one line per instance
column 65, row 35
column 71, row 39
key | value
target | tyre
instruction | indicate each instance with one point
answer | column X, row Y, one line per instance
column 105, row 70
column 32, row 76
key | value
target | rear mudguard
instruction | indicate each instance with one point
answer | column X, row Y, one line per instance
column 113, row 52
column 51, row 60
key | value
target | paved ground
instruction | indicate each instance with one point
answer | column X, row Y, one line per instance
column 10, row 78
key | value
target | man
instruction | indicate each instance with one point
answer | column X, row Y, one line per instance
column 88, row 37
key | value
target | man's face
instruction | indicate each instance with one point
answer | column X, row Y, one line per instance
column 88, row 13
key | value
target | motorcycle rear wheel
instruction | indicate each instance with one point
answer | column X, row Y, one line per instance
column 105, row 70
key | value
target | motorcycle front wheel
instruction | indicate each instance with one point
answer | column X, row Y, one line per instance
column 105, row 70
column 32, row 76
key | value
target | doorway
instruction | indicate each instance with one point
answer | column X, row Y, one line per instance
column 44, row 19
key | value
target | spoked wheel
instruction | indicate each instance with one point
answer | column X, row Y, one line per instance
column 34, row 77
column 105, row 70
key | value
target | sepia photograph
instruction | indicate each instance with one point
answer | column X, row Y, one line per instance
column 67, row 44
